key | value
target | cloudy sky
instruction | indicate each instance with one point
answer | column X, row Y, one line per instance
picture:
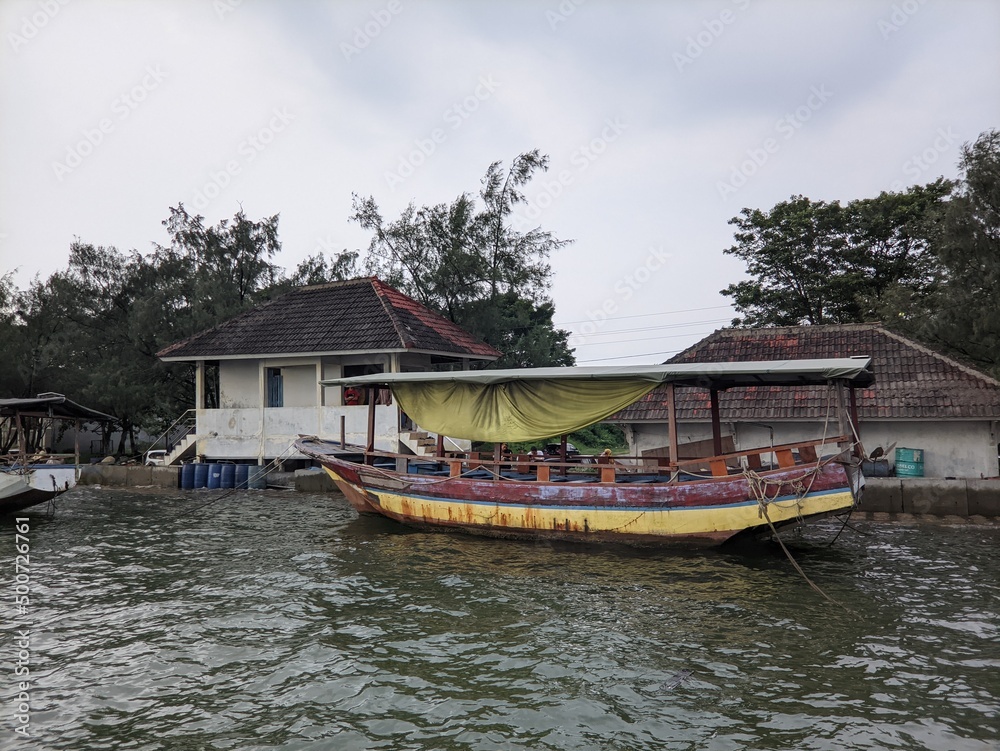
column 662, row 120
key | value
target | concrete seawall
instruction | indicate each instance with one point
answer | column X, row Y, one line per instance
column 130, row 476
column 932, row 496
column 891, row 495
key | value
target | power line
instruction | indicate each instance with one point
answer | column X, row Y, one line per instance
column 627, row 357
column 656, row 328
column 645, row 315
column 641, row 339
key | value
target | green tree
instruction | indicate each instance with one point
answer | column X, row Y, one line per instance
column 964, row 319
column 320, row 269
column 819, row 262
column 466, row 260
column 223, row 270
column 113, row 368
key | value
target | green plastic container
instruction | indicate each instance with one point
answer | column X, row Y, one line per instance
column 909, row 462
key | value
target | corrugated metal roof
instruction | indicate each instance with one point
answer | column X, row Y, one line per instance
column 51, row 403
column 358, row 315
column 912, row 381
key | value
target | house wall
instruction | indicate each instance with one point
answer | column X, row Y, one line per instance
column 239, row 384
column 300, row 384
column 261, row 434
column 956, row 448
column 243, row 429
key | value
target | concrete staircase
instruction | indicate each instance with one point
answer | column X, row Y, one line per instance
column 419, row 442
column 184, row 447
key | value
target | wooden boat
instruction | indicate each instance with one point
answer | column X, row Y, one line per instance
column 23, row 484
column 521, row 497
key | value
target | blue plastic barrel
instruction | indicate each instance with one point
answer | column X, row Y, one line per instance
column 187, row 476
column 258, row 478
column 214, row 476
column 200, row 475
column 242, row 476
column 228, row 479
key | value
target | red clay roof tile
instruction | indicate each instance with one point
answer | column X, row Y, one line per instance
column 911, row 381
column 352, row 316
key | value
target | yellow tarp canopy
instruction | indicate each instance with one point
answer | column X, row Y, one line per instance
column 526, row 404
column 515, row 410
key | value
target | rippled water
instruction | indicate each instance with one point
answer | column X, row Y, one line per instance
column 277, row 620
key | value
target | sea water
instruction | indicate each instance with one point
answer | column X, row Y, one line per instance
column 277, row 620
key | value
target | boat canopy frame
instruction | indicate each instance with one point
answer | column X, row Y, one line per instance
column 527, row 404
column 854, row 371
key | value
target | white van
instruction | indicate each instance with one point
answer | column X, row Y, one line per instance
column 156, row 458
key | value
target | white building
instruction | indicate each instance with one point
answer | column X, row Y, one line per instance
column 920, row 400
column 258, row 374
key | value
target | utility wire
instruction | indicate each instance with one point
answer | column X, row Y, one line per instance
column 656, row 328
column 646, row 315
column 627, row 357
column 641, row 339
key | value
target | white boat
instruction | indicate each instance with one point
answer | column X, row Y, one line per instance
column 23, row 484
column 21, row 489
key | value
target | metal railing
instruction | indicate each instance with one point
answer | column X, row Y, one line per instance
column 183, row 426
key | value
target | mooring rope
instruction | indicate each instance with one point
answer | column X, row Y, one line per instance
column 268, row 469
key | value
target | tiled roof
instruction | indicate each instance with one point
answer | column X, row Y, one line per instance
column 359, row 315
column 911, row 381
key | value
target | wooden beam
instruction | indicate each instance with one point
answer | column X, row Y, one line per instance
column 672, row 416
column 858, row 449
column 77, row 426
column 371, row 425
column 843, row 419
column 716, row 423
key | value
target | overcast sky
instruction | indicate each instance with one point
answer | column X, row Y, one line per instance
column 662, row 120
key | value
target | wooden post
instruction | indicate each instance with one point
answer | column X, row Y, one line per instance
column 716, row 424
column 440, row 444
column 562, row 454
column 842, row 416
column 370, row 446
column 343, row 432
column 672, row 416
column 76, row 447
column 858, row 449
column 22, row 447
column 496, row 459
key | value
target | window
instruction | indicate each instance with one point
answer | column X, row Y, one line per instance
column 275, row 388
